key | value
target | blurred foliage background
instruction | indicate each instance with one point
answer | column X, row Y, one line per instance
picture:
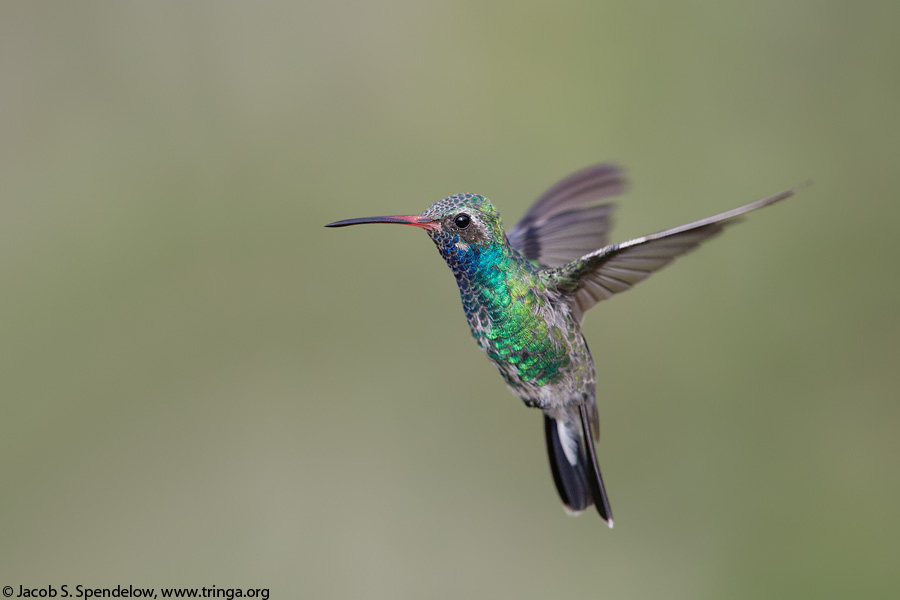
column 203, row 386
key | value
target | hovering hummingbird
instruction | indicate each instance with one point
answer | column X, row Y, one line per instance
column 525, row 293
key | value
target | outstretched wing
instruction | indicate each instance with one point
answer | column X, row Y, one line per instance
column 618, row 267
column 567, row 222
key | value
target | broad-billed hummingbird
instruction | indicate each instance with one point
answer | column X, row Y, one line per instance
column 525, row 293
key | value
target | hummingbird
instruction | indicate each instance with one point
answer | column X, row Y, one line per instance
column 525, row 293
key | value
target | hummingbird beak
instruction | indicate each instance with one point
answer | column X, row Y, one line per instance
column 414, row 220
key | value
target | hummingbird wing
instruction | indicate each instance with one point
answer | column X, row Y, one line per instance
column 618, row 267
column 567, row 221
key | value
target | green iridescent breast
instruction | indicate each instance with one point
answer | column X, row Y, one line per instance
column 506, row 304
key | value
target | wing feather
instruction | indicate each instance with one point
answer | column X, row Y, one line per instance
column 567, row 221
column 619, row 267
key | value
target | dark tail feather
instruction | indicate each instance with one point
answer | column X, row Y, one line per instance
column 570, row 479
column 573, row 462
column 595, row 479
column 576, row 473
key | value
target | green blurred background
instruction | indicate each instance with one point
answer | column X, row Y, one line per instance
column 203, row 386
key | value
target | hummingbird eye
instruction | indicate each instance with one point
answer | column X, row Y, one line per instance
column 462, row 220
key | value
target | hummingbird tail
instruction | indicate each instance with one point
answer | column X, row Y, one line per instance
column 595, row 479
column 569, row 476
column 570, row 447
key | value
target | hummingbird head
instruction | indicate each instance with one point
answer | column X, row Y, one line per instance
column 466, row 229
column 465, row 219
column 461, row 221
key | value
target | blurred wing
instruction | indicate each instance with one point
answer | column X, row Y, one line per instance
column 618, row 267
column 567, row 222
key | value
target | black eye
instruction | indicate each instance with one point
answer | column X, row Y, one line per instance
column 462, row 220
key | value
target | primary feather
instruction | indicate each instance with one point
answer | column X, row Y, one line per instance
column 568, row 220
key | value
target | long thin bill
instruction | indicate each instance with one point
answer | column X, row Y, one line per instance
column 414, row 220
